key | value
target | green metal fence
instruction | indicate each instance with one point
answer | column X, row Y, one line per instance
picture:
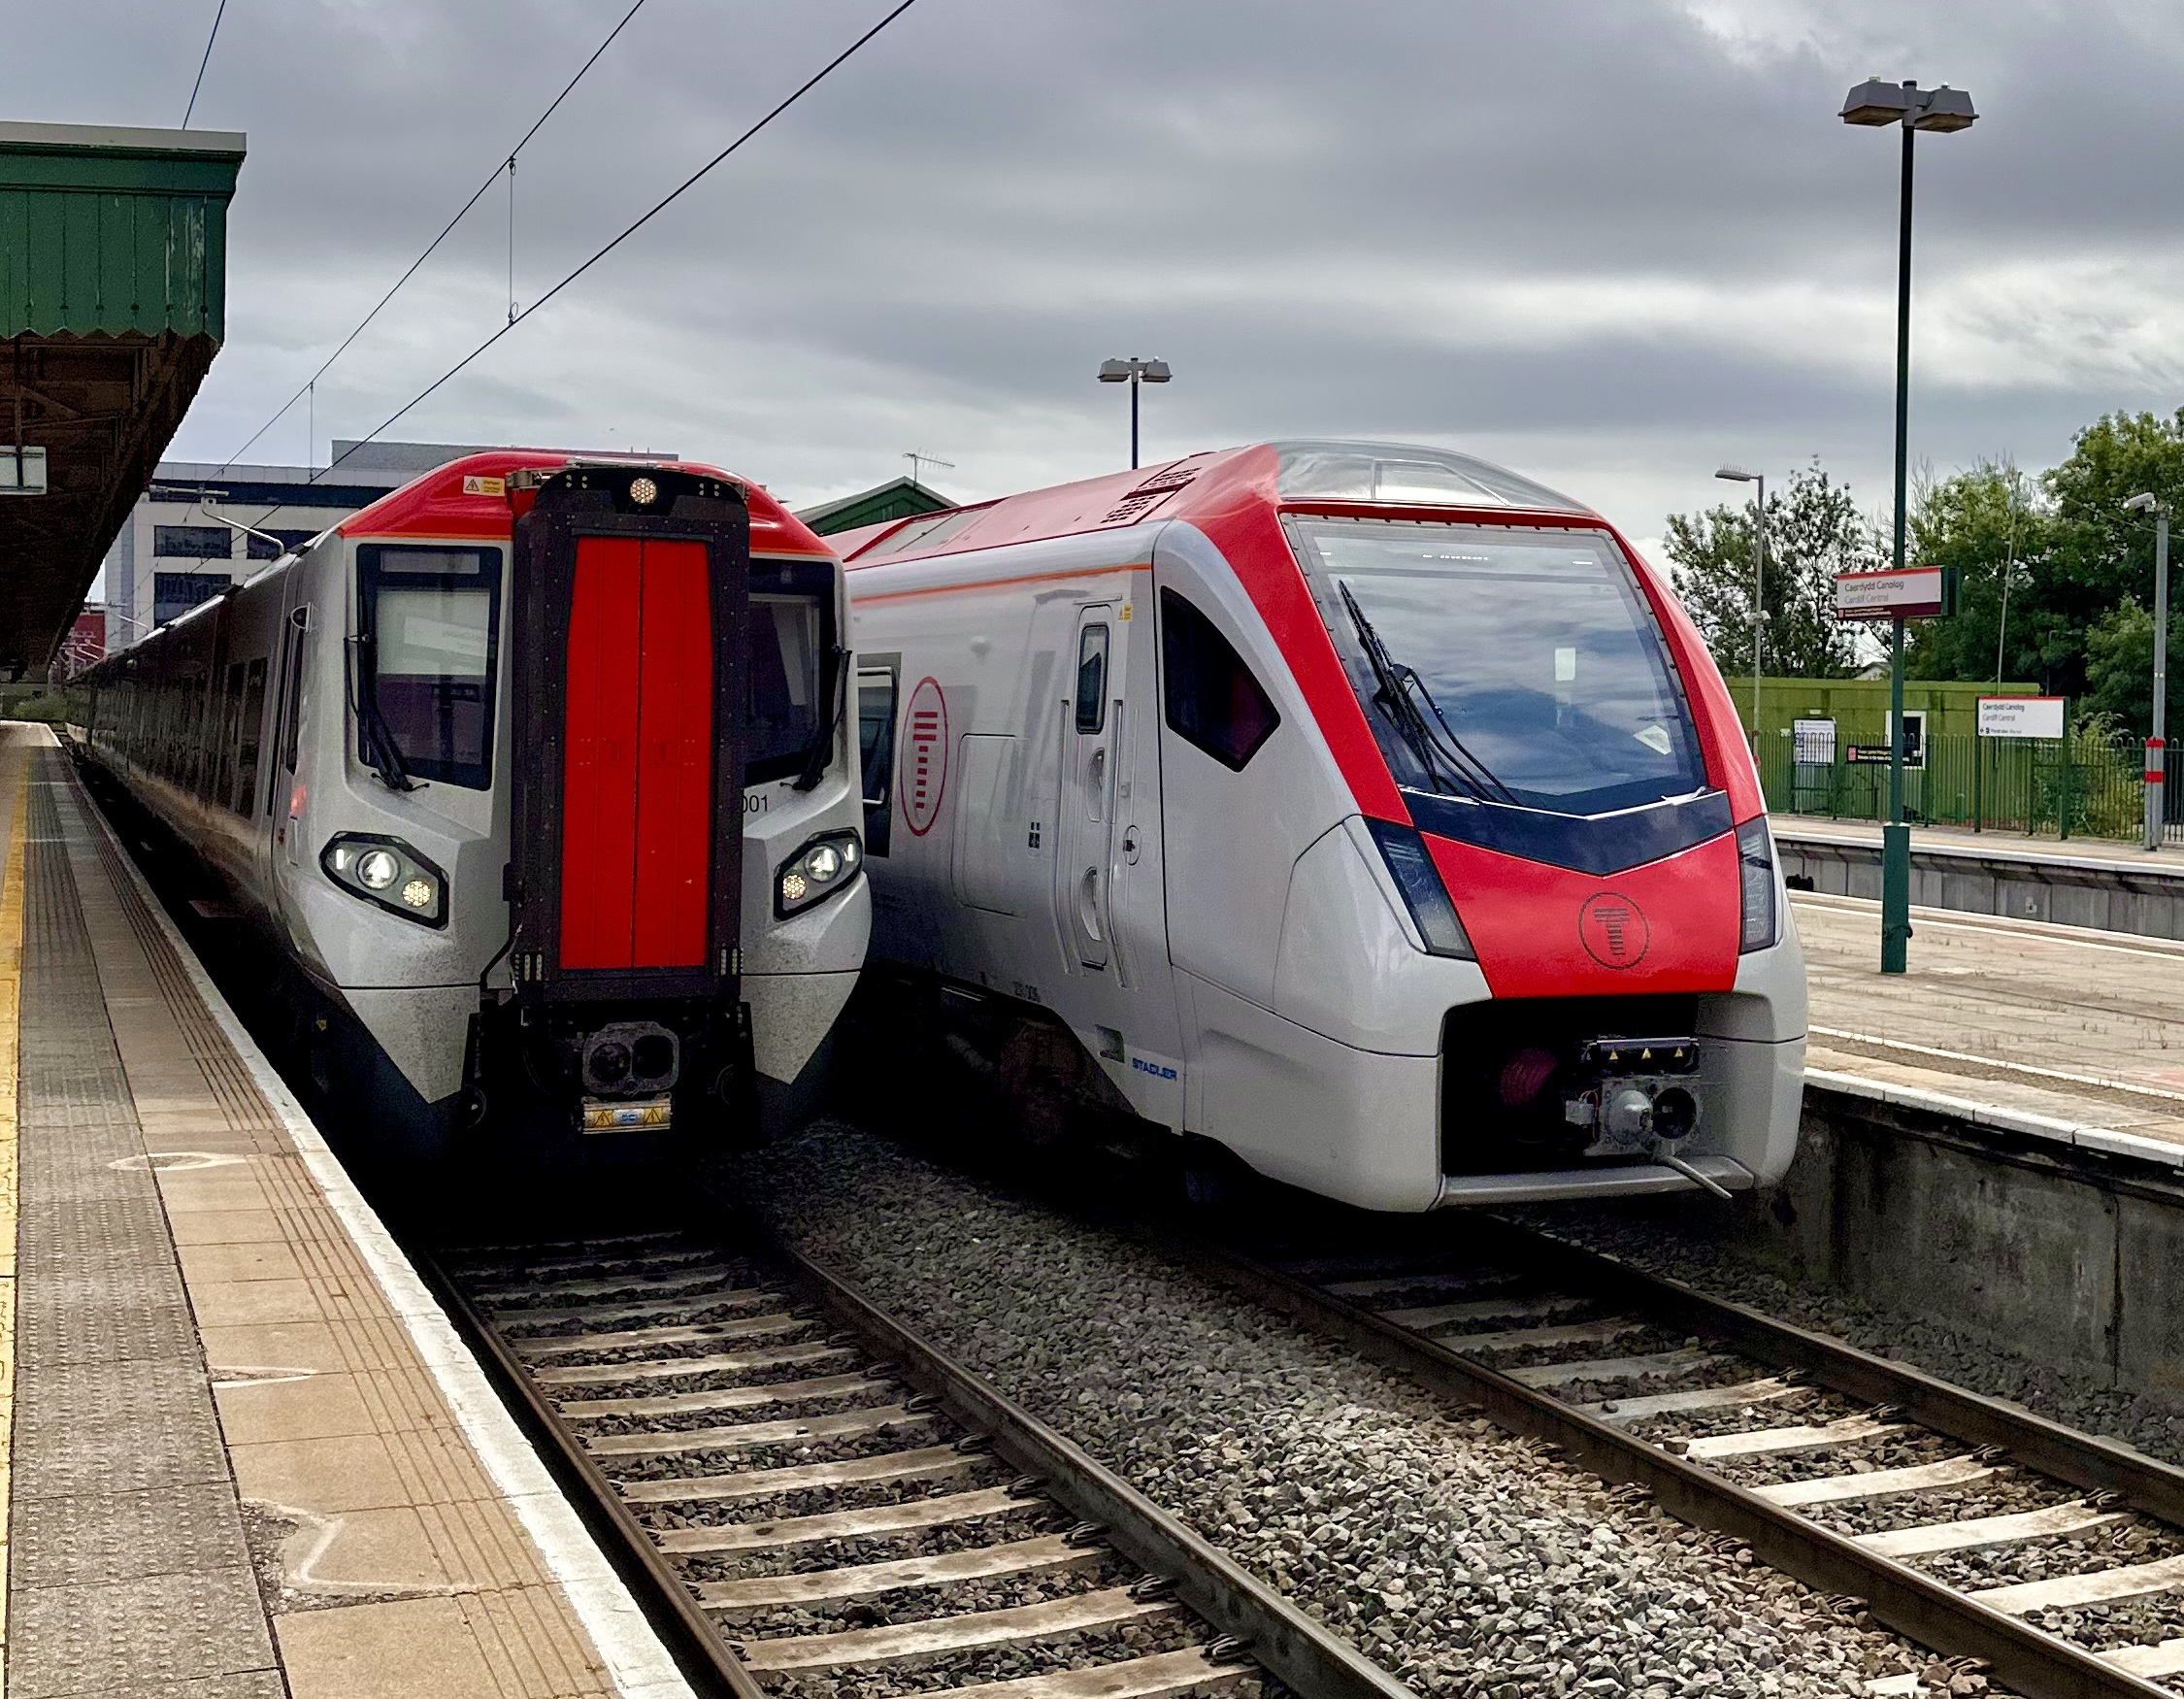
column 2087, row 785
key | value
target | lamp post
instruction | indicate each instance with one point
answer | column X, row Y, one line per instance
column 2157, row 746
column 1738, row 475
column 1876, row 103
column 1133, row 371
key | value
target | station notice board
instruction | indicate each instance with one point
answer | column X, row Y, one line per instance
column 1812, row 743
column 2021, row 717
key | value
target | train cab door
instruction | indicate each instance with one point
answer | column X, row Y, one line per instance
column 1083, row 869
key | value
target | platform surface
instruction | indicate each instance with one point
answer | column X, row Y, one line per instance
column 248, row 1457
column 2103, row 854
column 2072, row 1025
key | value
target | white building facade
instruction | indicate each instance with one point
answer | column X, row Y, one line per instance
column 185, row 542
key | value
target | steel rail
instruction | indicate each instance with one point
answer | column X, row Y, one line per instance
column 2038, row 1665
column 1293, row 1648
column 1303, row 1654
column 2087, row 1460
column 692, row 1637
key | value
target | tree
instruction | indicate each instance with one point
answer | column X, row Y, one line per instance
column 1994, row 527
column 1813, row 532
column 2080, row 593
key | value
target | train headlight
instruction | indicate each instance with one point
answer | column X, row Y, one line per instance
column 1423, row 894
column 389, row 873
column 827, row 864
column 1755, row 868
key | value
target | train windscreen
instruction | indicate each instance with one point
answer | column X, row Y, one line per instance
column 429, row 624
column 1520, row 667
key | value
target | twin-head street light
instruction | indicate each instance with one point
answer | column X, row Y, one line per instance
column 1738, row 475
column 1876, row 103
column 2157, row 746
column 1133, row 371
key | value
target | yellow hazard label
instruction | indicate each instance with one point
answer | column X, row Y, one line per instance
column 474, row 485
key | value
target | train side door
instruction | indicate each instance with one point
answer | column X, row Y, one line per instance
column 1082, row 873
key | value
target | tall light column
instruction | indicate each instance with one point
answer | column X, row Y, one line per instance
column 1738, row 475
column 1131, row 371
column 2157, row 746
column 1876, row 103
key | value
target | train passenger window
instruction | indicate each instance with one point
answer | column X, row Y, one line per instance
column 243, row 799
column 1092, row 681
column 1210, row 696
column 430, row 635
column 877, row 688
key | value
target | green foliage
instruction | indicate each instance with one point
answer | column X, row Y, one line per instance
column 1813, row 532
column 2080, row 593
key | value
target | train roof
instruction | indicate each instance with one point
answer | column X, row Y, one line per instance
column 469, row 498
column 1386, row 480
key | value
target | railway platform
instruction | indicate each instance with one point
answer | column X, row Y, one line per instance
column 246, row 1453
column 2092, row 882
column 2060, row 1032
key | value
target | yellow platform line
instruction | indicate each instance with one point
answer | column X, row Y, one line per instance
column 17, row 756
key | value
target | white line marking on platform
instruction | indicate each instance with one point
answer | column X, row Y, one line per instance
column 2027, row 1068
column 637, row 1663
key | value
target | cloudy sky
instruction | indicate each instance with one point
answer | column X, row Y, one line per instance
column 1612, row 242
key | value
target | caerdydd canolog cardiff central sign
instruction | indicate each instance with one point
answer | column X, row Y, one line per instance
column 1914, row 592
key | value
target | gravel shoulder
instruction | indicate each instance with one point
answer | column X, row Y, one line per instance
column 1460, row 1558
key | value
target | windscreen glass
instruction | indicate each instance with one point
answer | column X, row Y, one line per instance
column 790, row 717
column 1507, row 666
column 430, row 624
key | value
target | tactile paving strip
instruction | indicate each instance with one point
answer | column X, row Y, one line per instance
column 130, row 1570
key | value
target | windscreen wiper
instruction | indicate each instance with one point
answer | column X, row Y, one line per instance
column 1441, row 753
column 831, row 699
column 385, row 756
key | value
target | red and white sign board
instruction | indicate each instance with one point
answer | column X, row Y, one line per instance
column 2021, row 717
column 1914, row 594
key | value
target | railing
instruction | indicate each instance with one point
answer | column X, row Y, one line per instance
column 2083, row 787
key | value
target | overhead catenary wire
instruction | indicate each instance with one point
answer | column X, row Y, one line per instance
column 203, row 62
column 635, row 224
column 503, row 163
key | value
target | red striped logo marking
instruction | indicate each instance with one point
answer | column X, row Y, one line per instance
column 925, row 756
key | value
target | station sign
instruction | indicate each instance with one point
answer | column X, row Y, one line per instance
column 1812, row 743
column 1914, row 744
column 22, row 470
column 1916, row 592
column 2021, row 717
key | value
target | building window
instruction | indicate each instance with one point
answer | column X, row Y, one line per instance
column 194, row 542
column 266, row 547
column 175, row 593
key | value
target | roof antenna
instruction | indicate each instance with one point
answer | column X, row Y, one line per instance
column 915, row 459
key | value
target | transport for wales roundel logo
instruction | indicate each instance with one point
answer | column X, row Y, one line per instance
column 925, row 757
column 1613, row 930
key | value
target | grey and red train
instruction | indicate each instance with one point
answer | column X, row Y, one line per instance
column 1367, row 812
column 535, row 775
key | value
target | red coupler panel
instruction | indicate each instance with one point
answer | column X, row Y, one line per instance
column 637, row 789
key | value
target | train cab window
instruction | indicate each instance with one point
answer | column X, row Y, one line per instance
column 877, row 684
column 429, row 631
column 1092, row 681
column 1210, row 699
column 792, row 668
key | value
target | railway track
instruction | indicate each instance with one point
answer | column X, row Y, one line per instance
column 813, row 1502
column 2049, row 1559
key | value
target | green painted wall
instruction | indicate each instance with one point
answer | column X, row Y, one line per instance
column 114, row 232
column 1859, row 706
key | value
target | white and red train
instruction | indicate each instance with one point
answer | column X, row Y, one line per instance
column 535, row 775
column 1368, row 810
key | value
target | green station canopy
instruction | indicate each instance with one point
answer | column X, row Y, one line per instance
column 112, row 302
